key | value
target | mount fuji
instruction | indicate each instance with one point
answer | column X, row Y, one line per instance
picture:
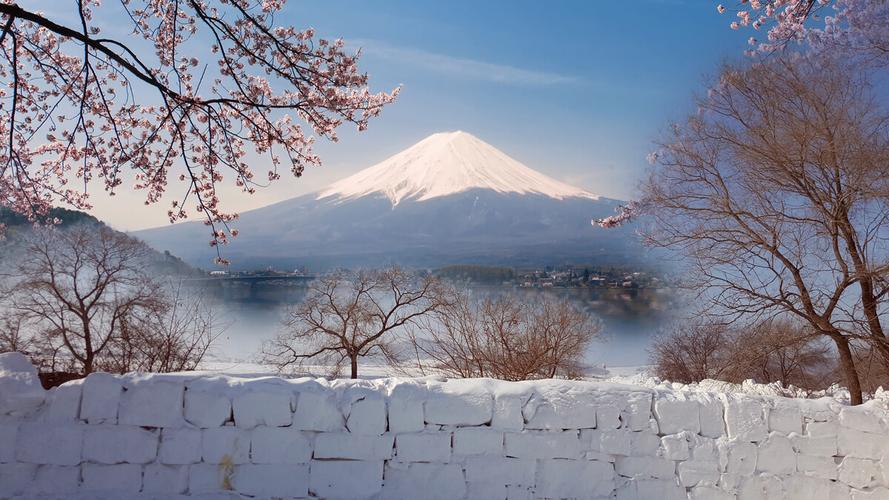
column 450, row 198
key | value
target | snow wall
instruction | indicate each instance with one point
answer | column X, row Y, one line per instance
column 162, row 436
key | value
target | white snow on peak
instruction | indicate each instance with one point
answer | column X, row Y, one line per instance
column 448, row 163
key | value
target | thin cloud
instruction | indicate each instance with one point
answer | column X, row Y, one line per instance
column 459, row 67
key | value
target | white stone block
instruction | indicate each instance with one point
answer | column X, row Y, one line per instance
column 8, row 431
column 705, row 450
column 262, row 407
column 712, row 416
column 508, row 413
column 637, row 414
column 775, row 455
column 814, row 446
column 55, row 479
column 280, row 445
column 823, row 467
column 180, row 446
column 210, row 478
column 518, row 493
column 416, row 481
column 644, row 444
column 800, row 487
column 318, row 412
column 645, row 467
column 676, row 414
column 741, row 458
column 20, row 389
column 63, row 403
column 574, row 479
column 616, row 442
column 406, row 408
column 822, row 429
column 478, row 441
column 860, row 444
column 543, row 444
column 152, row 403
column 647, row 489
column 760, row 488
column 457, row 404
column 557, row 411
column 860, row 473
column 745, row 419
column 207, row 409
column 272, row 480
column 786, row 418
column 675, row 447
column 884, row 465
column 490, row 477
column 729, row 481
column 874, row 494
column 115, row 444
column 863, row 419
column 345, row 479
column 119, row 479
column 591, row 439
column 696, row 472
column 608, row 417
column 330, row 445
column 100, row 399
column 15, row 478
column 423, row 447
column 225, row 445
column 51, row 444
column 166, row 479
column 367, row 416
column 709, row 493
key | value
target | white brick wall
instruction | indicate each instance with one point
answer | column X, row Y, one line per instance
column 119, row 437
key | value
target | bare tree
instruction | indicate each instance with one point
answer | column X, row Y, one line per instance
column 783, row 351
column 778, row 190
column 693, row 352
column 86, row 301
column 80, row 285
column 769, row 351
column 505, row 338
column 172, row 338
column 346, row 316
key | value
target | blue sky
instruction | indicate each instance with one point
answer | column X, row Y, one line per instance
column 576, row 89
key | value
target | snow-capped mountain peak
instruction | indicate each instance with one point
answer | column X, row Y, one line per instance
column 448, row 163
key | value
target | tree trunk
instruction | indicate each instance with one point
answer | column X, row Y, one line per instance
column 354, row 359
column 847, row 365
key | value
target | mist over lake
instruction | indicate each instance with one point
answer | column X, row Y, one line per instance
column 253, row 312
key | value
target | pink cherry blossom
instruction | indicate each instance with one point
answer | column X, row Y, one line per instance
column 859, row 27
column 78, row 107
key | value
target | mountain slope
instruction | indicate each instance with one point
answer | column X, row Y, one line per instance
column 450, row 198
column 17, row 230
column 444, row 164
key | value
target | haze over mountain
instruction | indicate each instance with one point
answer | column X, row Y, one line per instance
column 449, row 198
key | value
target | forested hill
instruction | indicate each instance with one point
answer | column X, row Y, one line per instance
column 17, row 228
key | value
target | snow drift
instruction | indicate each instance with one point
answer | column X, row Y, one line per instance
column 171, row 436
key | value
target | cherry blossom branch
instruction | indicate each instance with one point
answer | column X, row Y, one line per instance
column 65, row 83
